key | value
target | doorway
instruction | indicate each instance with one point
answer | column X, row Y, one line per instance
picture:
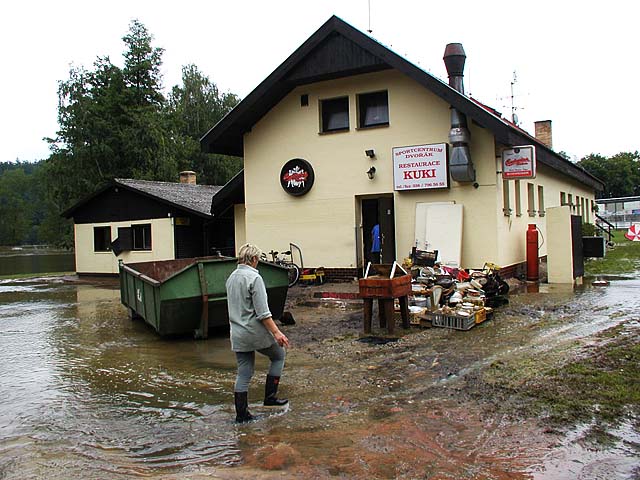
column 378, row 211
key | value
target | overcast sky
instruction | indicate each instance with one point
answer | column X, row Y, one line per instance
column 576, row 62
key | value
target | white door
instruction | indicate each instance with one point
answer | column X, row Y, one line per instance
column 439, row 227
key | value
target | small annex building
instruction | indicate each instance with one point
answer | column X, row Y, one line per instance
column 140, row 220
column 346, row 134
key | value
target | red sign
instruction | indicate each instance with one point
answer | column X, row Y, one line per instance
column 519, row 162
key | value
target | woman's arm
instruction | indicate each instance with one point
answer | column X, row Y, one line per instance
column 280, row 337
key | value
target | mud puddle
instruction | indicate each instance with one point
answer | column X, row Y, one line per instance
column 87, row 393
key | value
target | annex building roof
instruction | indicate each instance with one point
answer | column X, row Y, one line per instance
column 189, row 197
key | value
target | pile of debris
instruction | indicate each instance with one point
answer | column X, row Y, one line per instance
column 453, row 297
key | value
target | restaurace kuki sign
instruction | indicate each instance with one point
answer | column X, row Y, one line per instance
column 420, row 167
column 519, row 162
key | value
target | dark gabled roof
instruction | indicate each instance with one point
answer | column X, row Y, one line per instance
column 232, row 193
column 337, row 50
column 191, row 198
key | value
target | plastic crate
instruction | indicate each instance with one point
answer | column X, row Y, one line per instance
column 456, row 322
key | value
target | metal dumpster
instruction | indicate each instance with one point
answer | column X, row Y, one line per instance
column 188, row 295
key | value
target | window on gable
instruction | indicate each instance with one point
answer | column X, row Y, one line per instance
column 334, row 114
column 102, row 239
column 141, row 236
column 373, row 109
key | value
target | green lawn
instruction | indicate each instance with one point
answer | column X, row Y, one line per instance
column 622, row 258
column 600, row 383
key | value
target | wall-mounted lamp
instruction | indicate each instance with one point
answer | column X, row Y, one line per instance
column 370, row 153
column 371, row 173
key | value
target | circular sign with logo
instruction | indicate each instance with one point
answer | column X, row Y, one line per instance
column 296, row 177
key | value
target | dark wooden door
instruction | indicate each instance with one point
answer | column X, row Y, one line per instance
column 387, row 229
column 576, row 240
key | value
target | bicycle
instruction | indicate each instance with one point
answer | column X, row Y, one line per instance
column 293, row 270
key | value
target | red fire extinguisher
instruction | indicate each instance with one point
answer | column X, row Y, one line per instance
column 532, row 253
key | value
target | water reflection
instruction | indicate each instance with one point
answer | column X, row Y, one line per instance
column 85, row 388
column 20, row 260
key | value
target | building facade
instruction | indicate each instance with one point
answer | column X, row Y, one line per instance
column 346, row 134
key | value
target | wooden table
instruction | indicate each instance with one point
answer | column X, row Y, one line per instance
column 385, row 289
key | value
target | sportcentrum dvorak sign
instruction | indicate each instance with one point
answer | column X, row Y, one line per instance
column 420, row 167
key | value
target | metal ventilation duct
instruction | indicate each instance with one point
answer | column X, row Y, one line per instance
column 460, row 165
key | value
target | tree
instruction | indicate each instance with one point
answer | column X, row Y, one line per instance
column 116, row 122
column 194, row 107
column 620, row 173
column 142, row 64
column 112, row 123
column 16, row 209
column 52, row 229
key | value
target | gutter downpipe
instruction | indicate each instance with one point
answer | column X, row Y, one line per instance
column 460, row 164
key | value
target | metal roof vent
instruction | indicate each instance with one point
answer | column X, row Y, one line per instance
column 460, row 165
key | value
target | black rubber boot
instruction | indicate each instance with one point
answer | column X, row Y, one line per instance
column 270, row 392
column 242, row 407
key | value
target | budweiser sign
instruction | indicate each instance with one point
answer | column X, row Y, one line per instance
column 519, row 162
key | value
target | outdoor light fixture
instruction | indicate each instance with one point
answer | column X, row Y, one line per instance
column 371, row 173
column 370, row 153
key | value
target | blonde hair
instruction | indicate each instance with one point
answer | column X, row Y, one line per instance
column 247, row 252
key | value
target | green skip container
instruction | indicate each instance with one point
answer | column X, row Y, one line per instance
column 188, row 295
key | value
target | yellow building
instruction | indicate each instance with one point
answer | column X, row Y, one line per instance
column 345, row 134
column 140, row 221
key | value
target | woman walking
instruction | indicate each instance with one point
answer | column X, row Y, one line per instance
column 253, row 330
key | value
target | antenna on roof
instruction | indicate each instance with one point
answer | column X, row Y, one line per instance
column 514, row 117
column 369, row 29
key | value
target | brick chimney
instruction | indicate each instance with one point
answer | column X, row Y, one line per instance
column 188, row 177
column 543, row 132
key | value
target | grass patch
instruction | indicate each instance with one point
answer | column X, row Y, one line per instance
column 601, row 383
column 603, row 386
column 624, row 257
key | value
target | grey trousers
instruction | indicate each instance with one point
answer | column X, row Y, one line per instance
column 246, row 365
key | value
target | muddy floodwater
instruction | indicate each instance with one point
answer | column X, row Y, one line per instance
column 35, row 259
column 88, row 393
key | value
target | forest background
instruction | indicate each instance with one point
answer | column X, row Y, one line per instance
column 116, row 122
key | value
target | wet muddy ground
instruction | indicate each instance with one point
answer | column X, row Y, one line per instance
column 87, row 393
